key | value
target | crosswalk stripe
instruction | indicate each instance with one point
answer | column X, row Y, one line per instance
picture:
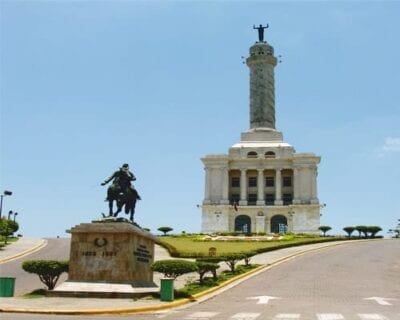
column 371, row 316
column 287, row 316
column 245, row 316
column 201, row 315
column 330, row 316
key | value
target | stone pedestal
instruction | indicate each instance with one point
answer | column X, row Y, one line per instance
column 109, row 259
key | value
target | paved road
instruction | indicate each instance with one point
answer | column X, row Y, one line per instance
column 333, row 284
column 57, row 249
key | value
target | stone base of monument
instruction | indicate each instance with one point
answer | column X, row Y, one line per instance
column 109, row 259
column 102, row 290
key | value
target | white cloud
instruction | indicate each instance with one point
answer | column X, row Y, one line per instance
column 391, row 145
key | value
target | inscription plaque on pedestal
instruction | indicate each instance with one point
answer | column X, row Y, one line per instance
column 109, row 259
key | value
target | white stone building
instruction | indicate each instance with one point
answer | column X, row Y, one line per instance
column 262, row 184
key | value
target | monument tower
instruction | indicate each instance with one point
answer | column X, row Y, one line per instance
column 262, row 184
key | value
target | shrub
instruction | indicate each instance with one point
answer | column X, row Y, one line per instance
column 232, row 259
column 48, row 271
column 174, row 268
column 247, row 257
column 204, row 267
column 349, row 230
column 165, row 230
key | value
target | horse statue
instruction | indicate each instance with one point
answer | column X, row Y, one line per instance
column 125, row 199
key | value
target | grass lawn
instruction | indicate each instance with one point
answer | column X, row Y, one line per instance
column 191, row 246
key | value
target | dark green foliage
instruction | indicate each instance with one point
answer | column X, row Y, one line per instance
column 174, row 268
column 232, row 259
column 7, row 228
column 373, row 230
column 204, row 267
column 362, row 230
column 349, row 230
column 324, row 229
column 247, row 257
column 48, row 271
column 165, row 230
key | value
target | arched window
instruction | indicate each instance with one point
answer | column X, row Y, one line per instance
column 270, row 154
column 252, row 154
column 279, row 224
column 243, row 224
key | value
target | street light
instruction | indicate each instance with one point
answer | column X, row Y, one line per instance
column 5, row 193
column 10, row 213
column 15, row 215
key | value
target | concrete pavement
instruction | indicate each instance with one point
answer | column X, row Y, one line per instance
column 55, row 305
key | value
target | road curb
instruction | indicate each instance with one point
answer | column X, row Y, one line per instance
column 35, row 248
column 202, row 296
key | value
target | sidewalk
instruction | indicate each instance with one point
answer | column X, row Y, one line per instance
column 57, row 305
column 23, row 246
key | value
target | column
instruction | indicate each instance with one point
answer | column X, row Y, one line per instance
column 207, row 187
column 225, row 186
column 296, row 185
column 260, row 188
column 314, row 198
column 278, row 187
column 243, row 188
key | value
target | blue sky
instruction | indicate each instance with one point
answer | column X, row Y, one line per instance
column 89, row 85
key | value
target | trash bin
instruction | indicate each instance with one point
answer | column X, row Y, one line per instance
column 167, row 290
column 7, row 285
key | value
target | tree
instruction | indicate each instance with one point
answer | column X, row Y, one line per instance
column 203, row 267
column 174, row 268
column 247, row 257
column 373, row 230
column 232, row 259
column 7, row 228
column 324, row 229
column 49, row 271
column 349, row 230
column 165, row 230
column 362, row 229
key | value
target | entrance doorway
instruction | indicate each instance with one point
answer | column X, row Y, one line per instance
column 243, row 224
column 278, row 224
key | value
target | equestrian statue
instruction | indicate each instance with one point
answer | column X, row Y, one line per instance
column 122, row 192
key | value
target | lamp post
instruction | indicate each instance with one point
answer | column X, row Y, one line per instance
column 15, row 215
column 10, row 213
column 5, row 193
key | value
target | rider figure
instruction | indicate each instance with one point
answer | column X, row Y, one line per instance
column 121, row 181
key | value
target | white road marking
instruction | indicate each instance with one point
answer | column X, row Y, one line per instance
column 262, row 299
column 380, row 300
column 287, row 316
column 371, row 316
column 201, row 315
column 245, row 316
column 330, row 316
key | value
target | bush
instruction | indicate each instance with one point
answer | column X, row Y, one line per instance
column 174, row 268
column 247, row 257
column 204, row 267
column 49, row 271
column 232, row 259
